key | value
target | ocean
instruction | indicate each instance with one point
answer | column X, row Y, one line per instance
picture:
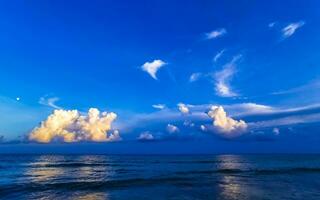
column 94, row 177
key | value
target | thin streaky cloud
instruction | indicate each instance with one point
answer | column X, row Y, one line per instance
column 291, row 28
column 312, row 85
column 195, row 76
column 223, row 78
column 272, row 24
column 216, row 33
column 49, row 101
column 159, row 106
column 218, row 55
column 290, row 120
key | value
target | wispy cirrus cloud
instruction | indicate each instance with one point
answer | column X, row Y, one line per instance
column 222, row 79
column 287, row 120
column 216, row 33
column 272, row 24
column 291, row 28
column 243, row 109
column 218, row 55
column 49, row 101
column 159, row 106
column 195, row 76
column 152, row 67
column 313, row 85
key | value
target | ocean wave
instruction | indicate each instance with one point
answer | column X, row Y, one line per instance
column 287, row 170
column 78, row 164
column 253, row 171
column 91, row 185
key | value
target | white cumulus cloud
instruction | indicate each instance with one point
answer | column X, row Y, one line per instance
column 224, row 124
column 146, row 136
column 152, row 67
column 183, row 108
column 216, row 33
column 172, row 128
column 290, row 29
column 71, row 126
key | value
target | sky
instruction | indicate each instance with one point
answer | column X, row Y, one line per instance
column 159, row 76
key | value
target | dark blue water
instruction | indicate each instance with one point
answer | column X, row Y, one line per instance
column 160, row 177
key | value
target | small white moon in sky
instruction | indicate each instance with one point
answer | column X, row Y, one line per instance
column 18, row 98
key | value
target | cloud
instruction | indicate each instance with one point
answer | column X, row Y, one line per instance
column 243, row 109
column 203, row 128
column 114, row 136
column 194, row 77
column 188, row 123
column 159, row 106
column 290, row 29
column 152, row 67
column 272, row 24
column 71, row 126
column 172, row 128
column 313, row 85
column 216, row 33
column 223, row 78
column 218, row 55
column 146, row 136
column 138, row 121
column 288, row 120
column 276, row 131
column 224, row 124
column 183, row 108
column 49, row 101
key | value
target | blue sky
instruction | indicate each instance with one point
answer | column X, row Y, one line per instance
column 258, row 60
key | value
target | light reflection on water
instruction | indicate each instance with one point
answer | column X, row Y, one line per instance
column 224, row 177
column 38, row 172
column 91, row 196
column 229, row 185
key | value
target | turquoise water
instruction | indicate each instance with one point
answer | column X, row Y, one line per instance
column 160, row 177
